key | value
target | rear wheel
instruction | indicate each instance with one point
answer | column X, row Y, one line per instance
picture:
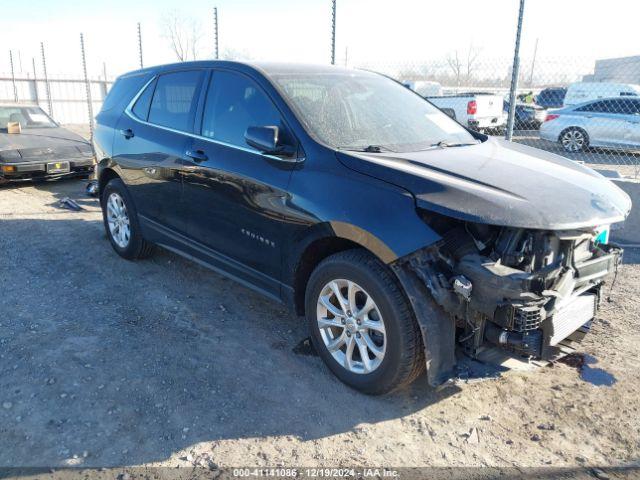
column 121, row 222
column 574, row 140
column 361, row 323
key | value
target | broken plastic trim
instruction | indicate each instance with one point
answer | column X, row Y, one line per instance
column 438, row 327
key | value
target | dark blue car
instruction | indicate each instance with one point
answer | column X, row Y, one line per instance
column 527, row 116
column 551, row 97
column 396, row 231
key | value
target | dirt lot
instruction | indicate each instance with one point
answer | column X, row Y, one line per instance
column 105, row 362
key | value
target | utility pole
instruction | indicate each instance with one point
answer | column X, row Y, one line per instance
column 13, row 77
column 88, row 86
column 46, row 79
column 533, row 63
column 215, row 32
column 333, row 32
column 514, row 75
column 140, row 46
column 35, row 81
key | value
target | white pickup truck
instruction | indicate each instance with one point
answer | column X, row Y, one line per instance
column 479, row 111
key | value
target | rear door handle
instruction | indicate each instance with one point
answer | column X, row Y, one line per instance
column 127, row 133
column 196, row 155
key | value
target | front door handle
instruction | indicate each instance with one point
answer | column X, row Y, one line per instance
column 127, row 133
column 196, row 155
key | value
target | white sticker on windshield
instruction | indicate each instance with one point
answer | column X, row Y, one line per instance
column 38, row 118
column 444, row 122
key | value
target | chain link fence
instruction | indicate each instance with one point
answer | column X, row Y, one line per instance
column 62, row 97
column 584, row 110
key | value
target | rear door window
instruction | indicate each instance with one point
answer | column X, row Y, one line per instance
column 600, row 107
column 175, row 100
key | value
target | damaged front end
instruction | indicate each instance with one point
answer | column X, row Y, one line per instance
column 531, row 292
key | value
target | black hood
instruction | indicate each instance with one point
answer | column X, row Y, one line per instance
column 500, row 183
column 42, row 144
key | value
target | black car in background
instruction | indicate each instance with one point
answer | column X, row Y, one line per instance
column 396, row 231
column 551, row 97
column 527, row 116
column 34, row 146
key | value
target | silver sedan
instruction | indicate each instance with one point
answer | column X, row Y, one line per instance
column 612, row 123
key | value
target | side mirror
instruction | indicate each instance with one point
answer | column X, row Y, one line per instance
column 264, row 139
column 267, row 140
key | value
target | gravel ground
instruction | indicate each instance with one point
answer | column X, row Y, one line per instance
column 105, row 362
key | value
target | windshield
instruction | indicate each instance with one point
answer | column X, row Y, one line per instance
column 29, row 117
column 361, row 110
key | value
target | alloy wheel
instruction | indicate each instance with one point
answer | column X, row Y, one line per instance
column 118, row 220
column 351, row 326
column 573, row 140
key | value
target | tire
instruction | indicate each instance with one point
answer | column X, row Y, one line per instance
column 574, row 140
column 132, row 246
column 399, row 356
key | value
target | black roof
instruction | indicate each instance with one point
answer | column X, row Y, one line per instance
column 267, row 68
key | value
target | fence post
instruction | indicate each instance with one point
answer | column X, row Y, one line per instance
column 140, row 46
column 533, row 63
column 333, row 32
column 88, row 85
column 46, row 79
column 35, row 82
column 514, row 75
column 13, row 77
column 215, row 31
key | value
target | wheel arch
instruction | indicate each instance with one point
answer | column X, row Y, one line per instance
column 314, row 253
column 324, row 240
column 106, row 173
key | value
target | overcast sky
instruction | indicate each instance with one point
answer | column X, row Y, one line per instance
column 374, row 31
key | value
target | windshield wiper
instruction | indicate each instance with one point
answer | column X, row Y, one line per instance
column 445, row 144
column 368, row 149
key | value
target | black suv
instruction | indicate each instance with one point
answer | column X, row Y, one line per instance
column 396, row 231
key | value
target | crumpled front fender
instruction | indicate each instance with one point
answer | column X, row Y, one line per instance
column 437, row 327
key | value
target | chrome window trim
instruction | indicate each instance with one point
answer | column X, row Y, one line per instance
column 129, row 112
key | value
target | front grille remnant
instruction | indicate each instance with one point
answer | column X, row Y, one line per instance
column 527, row 318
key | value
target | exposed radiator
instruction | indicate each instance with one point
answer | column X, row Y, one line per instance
column 571, row 317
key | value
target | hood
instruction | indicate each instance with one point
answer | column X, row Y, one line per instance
column 42, row 144
column 500, row 183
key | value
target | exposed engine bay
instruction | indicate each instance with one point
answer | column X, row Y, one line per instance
column 531, row 292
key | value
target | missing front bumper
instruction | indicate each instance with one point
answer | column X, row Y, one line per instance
column 507, row 308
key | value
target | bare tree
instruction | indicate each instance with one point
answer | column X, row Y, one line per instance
column 472, row 57
column 453, row 60
column 183, row 34
column 457, row 66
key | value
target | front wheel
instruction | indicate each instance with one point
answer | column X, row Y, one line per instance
column 361, row 324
